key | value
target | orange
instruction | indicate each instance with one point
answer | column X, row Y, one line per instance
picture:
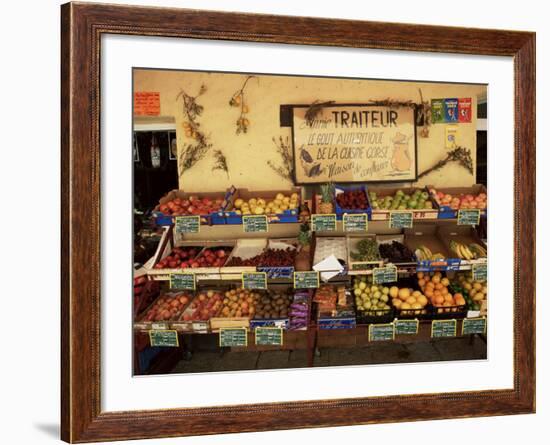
column 429, row 293
column 459, row 301
column 439, row 286
column 436, row 279
column 420, row 275
column 445, row 281
column 444, row 291
column 437, row 293
column 429, row 285
column 439, row 300
column 421, row 282
column 449, row 298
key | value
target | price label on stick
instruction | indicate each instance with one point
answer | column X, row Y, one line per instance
column 474, row 326
column 406, row 327
column 355, row 222
column 268, row 336
column 401, row 220
column 381, row 332
column 182, row 281
column 306, row 280
column 254, row 280
column 468, row 217
column 479, row 272
column 323, row 223
column 188, row 224
column 386, row 274
column 443, row 328
column 164, row 338
column 255, row 223
column 231, row 337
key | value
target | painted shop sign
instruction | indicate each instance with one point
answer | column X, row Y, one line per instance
column 355, row 143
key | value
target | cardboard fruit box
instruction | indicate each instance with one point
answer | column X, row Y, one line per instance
column 232, row 216
column 358, row 266
column 445, row 211
column 428, row 236
column 213, row 218
column 339, row 189
column 143, row 323
column 465, row 235
column 166, row 247
column 377, row 214
column 193, row 319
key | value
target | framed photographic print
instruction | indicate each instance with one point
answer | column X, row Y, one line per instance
column 248, row 230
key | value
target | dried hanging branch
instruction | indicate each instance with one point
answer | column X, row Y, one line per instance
column 284, row 150
column 314, row 109
column 220, row 162
column 193, row 152
column 424, row 116
column 460, row 154
column 238, row 100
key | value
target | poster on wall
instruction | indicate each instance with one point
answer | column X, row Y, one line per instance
column 354, row 143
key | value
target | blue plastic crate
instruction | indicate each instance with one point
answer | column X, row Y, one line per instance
column 340, row 210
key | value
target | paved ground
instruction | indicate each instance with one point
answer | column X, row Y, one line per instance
column 440, row 350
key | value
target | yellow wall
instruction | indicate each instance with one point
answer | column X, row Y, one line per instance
column 247, row 154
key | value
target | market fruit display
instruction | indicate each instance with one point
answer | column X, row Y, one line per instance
column 204, row 306
column 261, row 206
column 239, row 303
column 416, row 200
column 409, row 300
column 352, row 199
column 193, row 205
column 273, row 305
column 462, row 201
column 396, row 252
column 474, row 291
column 436, row 288
column 371, row 298
column 267, row 258
column 212, row 257
column 167, row 307
column 423, row 253
column 365, row 250
column 179, row 257
column 468, row 252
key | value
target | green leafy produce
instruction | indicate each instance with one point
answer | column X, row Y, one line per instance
column 366, row 250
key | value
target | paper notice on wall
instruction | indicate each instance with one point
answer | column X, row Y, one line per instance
column 451, row 136
column 465, row 109
column 451, row 110
column 146, row 103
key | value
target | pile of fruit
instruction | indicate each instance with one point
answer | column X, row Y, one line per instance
column 205, row 306
column 366, row 250
column 167, row 307
column 406, row 299
column 273, row 306
column 179, row 257
column 468, row 252
column 396, row 252
column 424, row 253
column 462, row 201
column 371, row 298
column 268, row 258
column 194, row 205
column 436, row 287
column 239, row 303
column 475, row 291
column 213, row 257
column 417, row 200
column 352, row 199
column 261, row 206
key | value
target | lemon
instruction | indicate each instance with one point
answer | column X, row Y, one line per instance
column 238, row 203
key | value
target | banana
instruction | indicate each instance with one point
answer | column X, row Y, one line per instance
column 478, row 250
column 466, row 252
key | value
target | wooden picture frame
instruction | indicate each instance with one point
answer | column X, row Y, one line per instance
column 82, row 26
